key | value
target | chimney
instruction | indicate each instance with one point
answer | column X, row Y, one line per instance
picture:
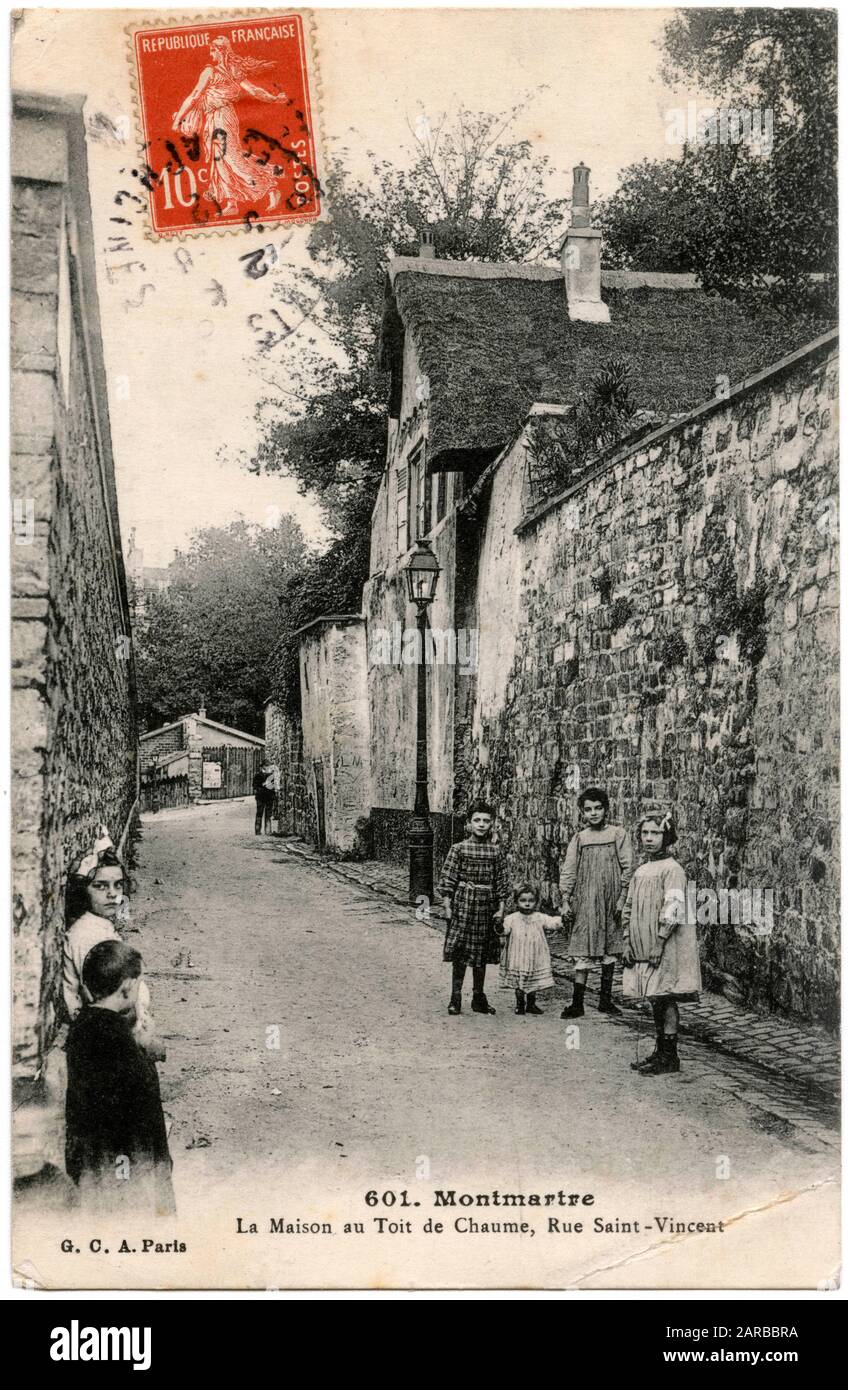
column 426, row 245
column 201, row 713
column 581, row 257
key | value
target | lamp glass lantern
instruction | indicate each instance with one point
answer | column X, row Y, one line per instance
column 422, row 575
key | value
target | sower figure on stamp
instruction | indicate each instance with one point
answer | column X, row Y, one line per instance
column 593, row 881
column 233, row 174
column 473, row 887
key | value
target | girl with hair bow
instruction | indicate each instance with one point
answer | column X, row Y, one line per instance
column 660, row 944
column 96, row 903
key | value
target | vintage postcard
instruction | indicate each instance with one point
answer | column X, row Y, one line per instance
column 425, row 775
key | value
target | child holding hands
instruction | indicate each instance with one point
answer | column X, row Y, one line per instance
column 594, row 880
column 526, row 957
column 116, row 1141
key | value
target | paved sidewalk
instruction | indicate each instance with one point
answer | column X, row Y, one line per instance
column 802, row 1054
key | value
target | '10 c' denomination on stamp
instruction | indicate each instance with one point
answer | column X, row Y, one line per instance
column 226, row 125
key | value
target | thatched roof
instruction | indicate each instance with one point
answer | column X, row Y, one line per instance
column 494, row 339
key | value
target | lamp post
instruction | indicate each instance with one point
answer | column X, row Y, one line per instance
column 422, row 574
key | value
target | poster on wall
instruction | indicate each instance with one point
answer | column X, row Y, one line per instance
column 445, row 400
column 211, row 776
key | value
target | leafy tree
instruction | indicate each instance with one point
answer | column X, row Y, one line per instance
column 785, row 58
column 205, row 639
column 745, row 217
column 330, row 582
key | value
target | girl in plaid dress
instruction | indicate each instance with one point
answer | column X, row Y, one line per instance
column 473, row 889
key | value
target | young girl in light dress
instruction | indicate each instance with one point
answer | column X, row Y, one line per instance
column 661, row 960
column 526, row 957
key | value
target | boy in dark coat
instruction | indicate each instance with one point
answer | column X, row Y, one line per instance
column 265, row 795
column 116, row 1146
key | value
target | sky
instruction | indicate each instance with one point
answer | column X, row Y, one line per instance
column 180, row 335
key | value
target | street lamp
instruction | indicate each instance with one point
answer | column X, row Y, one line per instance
column 422, row 575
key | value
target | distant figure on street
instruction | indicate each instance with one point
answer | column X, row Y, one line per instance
column 593, row 881
column 116, row 1147
column 473, row 888
column 526, row 956
column 661, row 960
column 265, row 791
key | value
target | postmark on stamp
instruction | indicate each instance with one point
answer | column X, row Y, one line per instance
column 226, row 123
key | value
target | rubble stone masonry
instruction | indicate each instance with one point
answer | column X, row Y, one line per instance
column 284, row 747
column 336, row 755
column 73, row 710
column 669, row 629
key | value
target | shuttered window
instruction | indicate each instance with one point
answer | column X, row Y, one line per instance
column 402, row 494
column 441, row 496
column 423, row 493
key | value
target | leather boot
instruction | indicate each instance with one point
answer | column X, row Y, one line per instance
column 481, row 1005
column 532, row 1006
column 666, row 1059
column 457, row 978
column 575, row 1008
column 605, row 1004
column 651, row 1057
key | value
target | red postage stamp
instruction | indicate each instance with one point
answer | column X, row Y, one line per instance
column 226, row 123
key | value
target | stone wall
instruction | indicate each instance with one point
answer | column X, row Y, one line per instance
column 284, row 746
column 669, row 630
column 194, row 746
column 73, row 700
column 336, row 752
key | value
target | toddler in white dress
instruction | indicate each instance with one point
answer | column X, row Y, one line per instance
column 526, row 957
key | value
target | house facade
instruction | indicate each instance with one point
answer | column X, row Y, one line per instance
column 169, row 737
column 215, row 760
